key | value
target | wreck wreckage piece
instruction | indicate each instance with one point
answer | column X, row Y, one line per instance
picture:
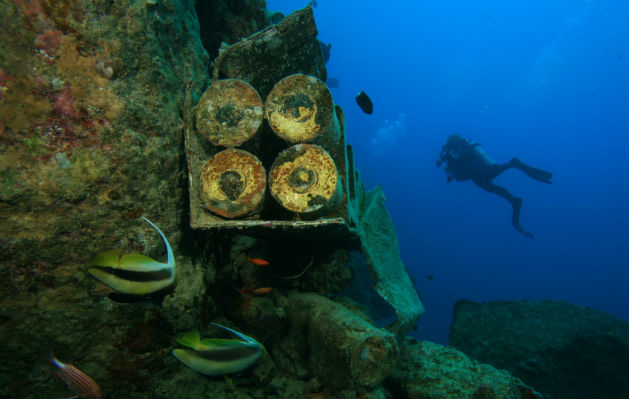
column 284, row 61
column 363, row 355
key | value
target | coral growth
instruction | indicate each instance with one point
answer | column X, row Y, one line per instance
column 65, row 15
column 32, row 13
column 48, row 43
column 5, row 78
column 23, row 105
column 64, row 104
column 64, row 113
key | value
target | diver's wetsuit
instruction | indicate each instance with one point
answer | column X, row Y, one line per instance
column 466, row 160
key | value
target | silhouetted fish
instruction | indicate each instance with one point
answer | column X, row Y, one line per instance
column 364, row 102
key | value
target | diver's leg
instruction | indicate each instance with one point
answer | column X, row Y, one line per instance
column 530, row 171
column 515, row 220
column 516, row 203
column 495, row 169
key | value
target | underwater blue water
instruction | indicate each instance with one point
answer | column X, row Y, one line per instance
column 542, row 81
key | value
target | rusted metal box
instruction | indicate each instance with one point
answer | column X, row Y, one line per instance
column 335, row 223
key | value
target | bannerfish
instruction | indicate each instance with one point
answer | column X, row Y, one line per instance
column 82, row 384
column 216, row 356
column 135, row 274
column 364, row 102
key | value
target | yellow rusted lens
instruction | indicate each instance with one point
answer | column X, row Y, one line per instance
column 229, row 113
column 299, row 108
column 304, row 179
column 233, row 183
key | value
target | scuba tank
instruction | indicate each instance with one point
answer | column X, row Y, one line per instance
column 480, row 156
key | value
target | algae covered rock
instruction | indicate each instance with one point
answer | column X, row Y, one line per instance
column 343, row 349
column 428, row 370
column 561, row 349
column 91, row 138
column 91, row 130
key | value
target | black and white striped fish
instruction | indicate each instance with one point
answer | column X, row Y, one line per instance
column 135, row 274
column 217, row 356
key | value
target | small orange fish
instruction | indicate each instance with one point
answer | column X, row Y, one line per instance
column 258, row 261
column 262, row 290
column 245, row 290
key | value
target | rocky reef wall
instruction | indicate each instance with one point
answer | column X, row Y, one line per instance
column 564, row 350
column 91, row 98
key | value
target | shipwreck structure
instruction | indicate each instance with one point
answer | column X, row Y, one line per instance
column 314, row 188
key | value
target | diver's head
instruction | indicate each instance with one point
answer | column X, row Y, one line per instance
column 457, row 142
column 455, row 138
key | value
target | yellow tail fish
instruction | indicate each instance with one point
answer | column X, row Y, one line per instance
column 214, row 356
column 135, row 274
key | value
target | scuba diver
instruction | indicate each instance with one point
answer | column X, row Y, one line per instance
column 466, row 160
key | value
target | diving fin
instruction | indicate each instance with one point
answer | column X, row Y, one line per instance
column 537, row 174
